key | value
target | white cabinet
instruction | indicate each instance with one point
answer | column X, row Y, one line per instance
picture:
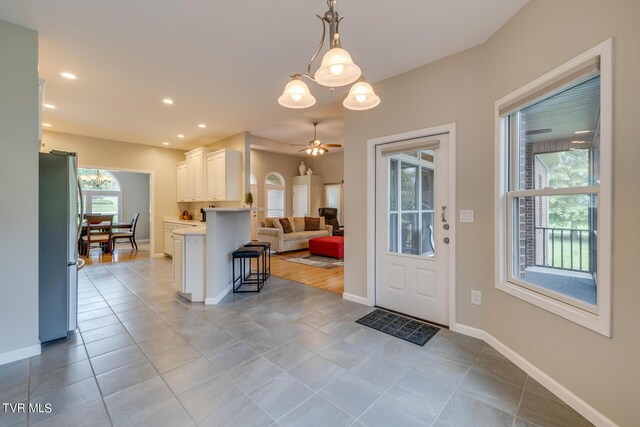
column 168, row 246
column 196, row 174
column 189, row 263
column 224, row 175
column 306, row 195
column 181, row 181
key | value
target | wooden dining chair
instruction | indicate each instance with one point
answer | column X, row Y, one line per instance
column 128, row 234
column 98, row 232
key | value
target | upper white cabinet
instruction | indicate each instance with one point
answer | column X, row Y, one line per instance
column 224, row 175
column 196, row 174
column 181, row 179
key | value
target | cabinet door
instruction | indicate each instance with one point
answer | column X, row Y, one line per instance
column 181, row 172
column 168, row 242
column 211, row 178
column 300, row 200
column 191, row 178
column 199, row 177
column 178, row 263
column 219, row 177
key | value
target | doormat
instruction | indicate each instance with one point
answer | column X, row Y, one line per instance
column 407, row 329
column 317, row 261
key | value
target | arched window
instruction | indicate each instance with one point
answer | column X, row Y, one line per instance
column 252, row 179
column 275, row 192
column 101, row 192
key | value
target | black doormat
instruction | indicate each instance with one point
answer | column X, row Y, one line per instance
column 411, row 330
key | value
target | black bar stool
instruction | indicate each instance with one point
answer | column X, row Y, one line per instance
column 245, row 278
column 267, row 249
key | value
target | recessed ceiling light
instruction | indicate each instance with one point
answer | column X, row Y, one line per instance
column 202, row 125
column 578, row 132
column 168, row 101
column 165, row 143
column 180, row 136
column 50, row 106
column 578, row 142
column 69, row 76
column 47, row 125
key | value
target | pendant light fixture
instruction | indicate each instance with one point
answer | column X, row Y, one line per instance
column 336, row 69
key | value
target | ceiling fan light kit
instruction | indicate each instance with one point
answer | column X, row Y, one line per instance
column 315, row 146
column 337, row 69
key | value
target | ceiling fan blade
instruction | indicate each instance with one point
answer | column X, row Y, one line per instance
column 333, row 145
column 300, row 151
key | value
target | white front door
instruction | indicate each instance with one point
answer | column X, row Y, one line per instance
column 300, row 200
column 412, row 223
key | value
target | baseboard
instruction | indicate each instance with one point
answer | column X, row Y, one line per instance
column 579, row 405
column 143, row 240
column 160, row 255
column 21, row 353
column 216, row 300
column 355, row 298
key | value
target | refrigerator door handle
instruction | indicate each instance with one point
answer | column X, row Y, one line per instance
column 81, row 217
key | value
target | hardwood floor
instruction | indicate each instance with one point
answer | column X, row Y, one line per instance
column 329, row 279
column 122, row 253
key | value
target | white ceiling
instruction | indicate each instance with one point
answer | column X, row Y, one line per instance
column 226, row 62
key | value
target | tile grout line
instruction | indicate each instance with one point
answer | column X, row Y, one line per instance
column 515, row 416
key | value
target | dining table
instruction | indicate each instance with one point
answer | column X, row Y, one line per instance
column 106, row 226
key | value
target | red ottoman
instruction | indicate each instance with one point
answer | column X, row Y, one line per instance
column 331, row 246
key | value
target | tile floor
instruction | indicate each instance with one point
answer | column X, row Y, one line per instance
column 289, row 356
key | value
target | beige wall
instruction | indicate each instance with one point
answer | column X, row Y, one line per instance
column 19, row 177
column 330, row 167
column 108, row 154
column 263, row 162
column 462, row 89
column 135, row 198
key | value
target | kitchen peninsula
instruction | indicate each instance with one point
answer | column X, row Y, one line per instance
column 202, row 253
column 227, row 230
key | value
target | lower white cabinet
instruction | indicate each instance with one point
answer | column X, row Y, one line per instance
column 168, row 246
column 189, row 265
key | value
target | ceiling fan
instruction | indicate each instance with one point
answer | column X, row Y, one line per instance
column 316, row 147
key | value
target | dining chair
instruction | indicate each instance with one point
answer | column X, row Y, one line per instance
column 129, row 234
column 98, row 231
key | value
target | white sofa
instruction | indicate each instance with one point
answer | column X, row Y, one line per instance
column 298, row 239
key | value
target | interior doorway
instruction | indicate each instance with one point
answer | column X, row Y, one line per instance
column 333, row 199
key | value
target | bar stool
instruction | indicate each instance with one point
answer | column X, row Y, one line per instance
column 242, row 255
column 267, row 249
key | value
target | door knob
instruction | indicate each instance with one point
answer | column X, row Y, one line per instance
column 446, row 240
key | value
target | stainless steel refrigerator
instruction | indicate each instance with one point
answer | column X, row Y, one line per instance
column 60, row 224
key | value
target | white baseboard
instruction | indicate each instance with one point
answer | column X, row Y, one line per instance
column 355, row 298
column 216, row 300
column 579, row 405
column 160, row 255
column 21, row 353
column 143, row 240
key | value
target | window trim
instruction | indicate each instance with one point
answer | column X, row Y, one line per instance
column 598, row 320
column 282, row 188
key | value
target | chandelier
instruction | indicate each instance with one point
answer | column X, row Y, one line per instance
column 336, row 69
column 97, row 179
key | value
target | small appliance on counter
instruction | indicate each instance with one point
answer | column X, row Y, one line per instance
column 203, row 213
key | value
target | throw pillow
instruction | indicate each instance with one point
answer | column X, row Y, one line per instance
column 276, row 223
column 268, row 222
column 286, row 225
column 311, row 223
column 298, row 223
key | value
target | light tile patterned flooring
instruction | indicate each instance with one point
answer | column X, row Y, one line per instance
column 290, row 356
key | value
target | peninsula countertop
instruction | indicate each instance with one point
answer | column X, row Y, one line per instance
column 200, row 230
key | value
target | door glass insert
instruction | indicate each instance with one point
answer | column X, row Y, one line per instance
column 411, row 203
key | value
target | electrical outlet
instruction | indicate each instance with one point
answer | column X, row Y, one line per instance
column 476, row 297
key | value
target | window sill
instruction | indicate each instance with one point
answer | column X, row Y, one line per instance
column 595, row 322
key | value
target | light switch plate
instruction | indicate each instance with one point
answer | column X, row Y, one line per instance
column 466, row 215
column 476, row 297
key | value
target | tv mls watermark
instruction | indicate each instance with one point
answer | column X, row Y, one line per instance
column 21, row 408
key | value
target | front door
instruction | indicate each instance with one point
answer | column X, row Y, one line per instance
column 412, row 223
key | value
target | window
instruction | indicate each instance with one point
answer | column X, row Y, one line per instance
column 275, row 188
column 555, row 191
column 101, row 192
column 411, row 201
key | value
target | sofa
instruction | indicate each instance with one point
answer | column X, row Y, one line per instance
column 271, row 231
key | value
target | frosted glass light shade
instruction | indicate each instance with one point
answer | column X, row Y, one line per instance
column 337, row 69
column 361, row 97
column 296, row 95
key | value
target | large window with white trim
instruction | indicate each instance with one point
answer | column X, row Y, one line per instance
column 275, row 191
column 101, row 192
column 555, row 185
